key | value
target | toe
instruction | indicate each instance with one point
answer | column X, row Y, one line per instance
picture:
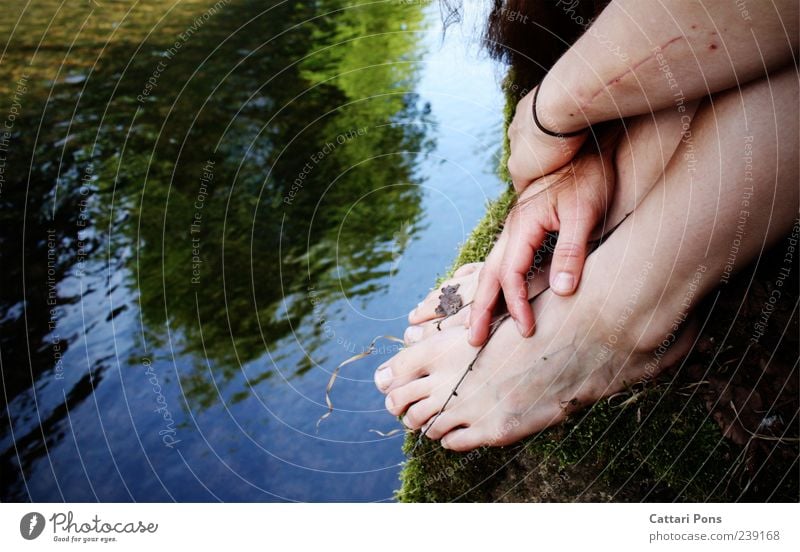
column 463, row 439
column 426, row 310
column 418, row 414
column 441, row 425
column 413, row 334
column 467, row 269
column 421, row 332
column 404, row 367
column 402, row 397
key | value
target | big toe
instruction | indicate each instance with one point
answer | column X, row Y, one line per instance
column 406, row 366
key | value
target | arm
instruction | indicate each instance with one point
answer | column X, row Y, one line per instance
column 640, row 56
column 643, row 56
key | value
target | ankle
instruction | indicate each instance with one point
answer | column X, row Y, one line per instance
column 623, row 314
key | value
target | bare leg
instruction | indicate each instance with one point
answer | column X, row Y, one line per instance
column 638, row 287
column 645, row 148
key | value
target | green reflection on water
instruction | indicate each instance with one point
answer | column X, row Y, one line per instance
column 225, row 158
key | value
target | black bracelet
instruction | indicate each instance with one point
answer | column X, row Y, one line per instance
column 546, row 131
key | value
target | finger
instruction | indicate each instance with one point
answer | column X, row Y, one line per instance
column 575, row 226
column 482, row 306
column 540, row 282
column 486, row 294
column 515, row 276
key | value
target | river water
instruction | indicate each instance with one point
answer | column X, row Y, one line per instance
column 205, row 208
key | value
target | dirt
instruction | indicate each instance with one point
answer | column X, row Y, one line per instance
column 450, row 301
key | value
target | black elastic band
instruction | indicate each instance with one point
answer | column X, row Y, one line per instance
column 546, row 131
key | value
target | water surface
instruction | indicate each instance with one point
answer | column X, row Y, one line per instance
column 206, row 206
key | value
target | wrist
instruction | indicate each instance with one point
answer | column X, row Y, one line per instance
column 556, row 112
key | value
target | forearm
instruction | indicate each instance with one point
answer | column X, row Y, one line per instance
column 642, row 56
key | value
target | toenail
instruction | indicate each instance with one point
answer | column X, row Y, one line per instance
column 413, row 334
column 389, row 403
column 564, row 282
column 383, row 377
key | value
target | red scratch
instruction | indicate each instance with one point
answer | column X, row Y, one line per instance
column 631, row 69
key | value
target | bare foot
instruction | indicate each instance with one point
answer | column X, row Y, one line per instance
column 518, row 386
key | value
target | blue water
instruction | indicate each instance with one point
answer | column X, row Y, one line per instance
column 146, row 359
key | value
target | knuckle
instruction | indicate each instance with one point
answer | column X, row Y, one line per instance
column 488, row 277
column 506, row 275
column 570, row 250
column 512, row 288
column 513, row 166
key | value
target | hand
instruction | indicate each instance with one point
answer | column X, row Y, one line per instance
column 572, row 202
column 534, row 154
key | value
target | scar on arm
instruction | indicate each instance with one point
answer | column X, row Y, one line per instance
column 630, row 70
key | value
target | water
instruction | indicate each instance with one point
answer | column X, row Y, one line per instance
column 207, row 207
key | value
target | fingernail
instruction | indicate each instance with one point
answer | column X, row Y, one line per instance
column 389, row 402
column 521, row 328
column 413, row 334
column 383, row 377
column 471, row 333
column 564, row 282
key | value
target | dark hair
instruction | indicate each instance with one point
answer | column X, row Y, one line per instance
column 530, row 35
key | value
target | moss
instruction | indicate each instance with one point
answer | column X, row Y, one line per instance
column 663, row 447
